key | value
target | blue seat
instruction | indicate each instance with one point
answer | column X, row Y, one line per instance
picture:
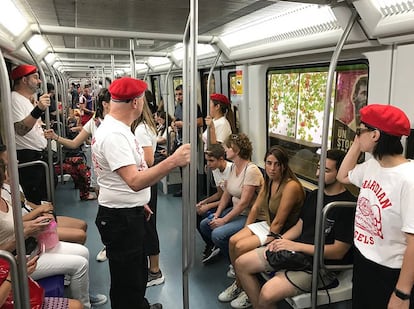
column 53, row 285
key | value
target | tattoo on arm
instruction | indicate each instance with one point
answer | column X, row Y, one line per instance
column 20, row 128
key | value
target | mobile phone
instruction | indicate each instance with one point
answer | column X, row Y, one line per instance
column 46, row 220
column 35, row 252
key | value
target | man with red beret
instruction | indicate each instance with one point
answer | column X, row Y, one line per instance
column 125, row 179
column 384, row 218
column 30, row 141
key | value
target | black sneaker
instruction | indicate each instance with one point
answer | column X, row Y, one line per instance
column 208, row 256
column 207, row 249
column 155, row 278
column 156, row 306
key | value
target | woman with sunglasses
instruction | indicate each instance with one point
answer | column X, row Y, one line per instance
column 384, row 217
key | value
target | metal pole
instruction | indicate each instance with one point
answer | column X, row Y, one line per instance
column 51, row 194
column 22, row 300
column 186, row 170
column 166, row 108
column 132, row 57
column 208, row 113
column 113, row 67
column 321, row 181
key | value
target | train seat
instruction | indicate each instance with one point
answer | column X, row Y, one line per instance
column 340, row 293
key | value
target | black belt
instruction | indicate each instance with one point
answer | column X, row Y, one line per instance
column 27, row 155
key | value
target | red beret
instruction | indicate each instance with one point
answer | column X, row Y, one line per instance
column 386, row 118
column 220, row 97
column 23, row 70
column 127, row 88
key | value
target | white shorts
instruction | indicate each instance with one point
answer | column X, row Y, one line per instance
column 260, row 229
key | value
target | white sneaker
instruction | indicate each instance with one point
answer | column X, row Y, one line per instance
column 101, row 256
column 242, row 301
column 230, row 293
column 230, row 273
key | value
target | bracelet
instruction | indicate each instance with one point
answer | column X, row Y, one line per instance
column 36, row 112
column 8, row 280
column 274, row 235
column 401, row 294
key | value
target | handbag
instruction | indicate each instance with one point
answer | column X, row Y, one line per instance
column 288, row 260
column 36, row 292
column 49, row 238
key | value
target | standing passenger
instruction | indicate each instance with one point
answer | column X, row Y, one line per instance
column 219, row 122
column 384, row 218
column 30, row 141
column 124, row 180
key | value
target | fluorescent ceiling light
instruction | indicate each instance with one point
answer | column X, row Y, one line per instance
column 156, row 61
column 391, row 7
column 37, row 44
column 11, row 18
column 141, row 66
column 50, row 58
column 202, row 50
column 300, row 21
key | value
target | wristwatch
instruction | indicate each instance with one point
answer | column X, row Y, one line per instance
column 401, row 294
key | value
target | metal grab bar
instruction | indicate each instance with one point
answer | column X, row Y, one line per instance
column 46, row 166
column 15, row 282
column 321, row 249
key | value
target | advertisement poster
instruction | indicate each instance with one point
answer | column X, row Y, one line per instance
column 351, row 96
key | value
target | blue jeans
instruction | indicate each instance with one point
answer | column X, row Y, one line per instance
column 220, row 236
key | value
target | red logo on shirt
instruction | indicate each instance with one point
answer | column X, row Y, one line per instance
column 368, row 217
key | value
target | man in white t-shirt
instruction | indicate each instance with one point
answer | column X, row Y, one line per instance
column 216, row 160
column 124, row 180
column 30, row 141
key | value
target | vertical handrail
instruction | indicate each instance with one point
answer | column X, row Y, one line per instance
column 132, row 57
column 113, row 67
column 51, row 174
column 185, row 170
column 166, row 108
column 324, row 148
column 210, row 73
column 23, row 290
column 59, row 131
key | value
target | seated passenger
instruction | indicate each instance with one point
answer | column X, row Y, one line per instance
column 64, row 259
column 300, row 238
column 220, row 167
column 281, row 199
column 243, row 184
column 48, row 302
column 68, row 228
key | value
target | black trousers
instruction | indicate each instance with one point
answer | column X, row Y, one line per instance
column 122, row 232
column 373, row 284
column 32, row 178
column 152, row 242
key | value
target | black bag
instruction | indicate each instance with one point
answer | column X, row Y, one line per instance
column 289, row 260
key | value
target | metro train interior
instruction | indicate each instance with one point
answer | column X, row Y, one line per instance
column 272, row 59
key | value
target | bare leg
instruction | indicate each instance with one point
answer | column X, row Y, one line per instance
column 154, row 263
column 275, row 290
column 71, row 222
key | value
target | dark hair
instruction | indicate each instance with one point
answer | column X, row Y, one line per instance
column 282, row 157
column 362, row 81
column 337, row 156
column 50, row 87
column 3, row 148
column 167, row 118
column 387, row 145
column 243, row 144
column 103, row 95
column 179, row 87
column 216, row 151
column 2, row 172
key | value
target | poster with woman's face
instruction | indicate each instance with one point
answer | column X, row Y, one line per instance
column 351, row 96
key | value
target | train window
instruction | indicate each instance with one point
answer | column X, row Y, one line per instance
column 177, row 80
column 296, row 100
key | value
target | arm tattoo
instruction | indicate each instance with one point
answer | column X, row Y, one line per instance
column 20, row 128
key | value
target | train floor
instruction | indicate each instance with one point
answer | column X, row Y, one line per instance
column 205, row 281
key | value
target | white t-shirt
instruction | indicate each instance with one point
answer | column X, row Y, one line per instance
column 114, row 146
column 384, row 210
column 21, row 107
column 220, row 178
column 145, row 136
column 6, row 194
column 90, row 127
column 222, row 128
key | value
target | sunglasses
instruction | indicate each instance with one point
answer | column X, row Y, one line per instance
column 359, row 131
